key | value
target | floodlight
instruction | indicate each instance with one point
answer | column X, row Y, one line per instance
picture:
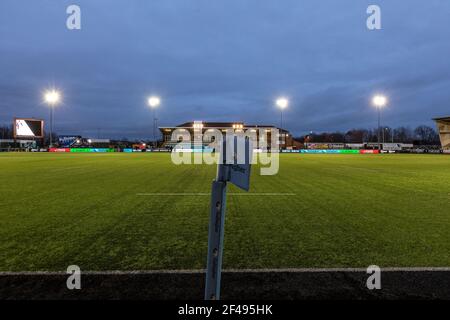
column 379, row 101
column 52, row 97
column 154, row 101
column 282, row 103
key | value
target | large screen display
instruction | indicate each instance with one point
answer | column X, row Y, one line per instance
column 28, row 128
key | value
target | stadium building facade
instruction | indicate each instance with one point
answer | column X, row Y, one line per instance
column 443, row 125
column 286, row 140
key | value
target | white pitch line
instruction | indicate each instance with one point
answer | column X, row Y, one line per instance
column 174, row 194
column 208, row 194
column 313, row 270
column 201, row 271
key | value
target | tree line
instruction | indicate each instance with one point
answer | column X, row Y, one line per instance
column 422, row 135
column 6, row 132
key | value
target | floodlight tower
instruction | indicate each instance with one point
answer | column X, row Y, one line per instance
column 153, row 103
column 52, row 97
column 282, row 103
column 379, row 101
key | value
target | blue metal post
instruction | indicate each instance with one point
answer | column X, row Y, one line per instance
column 216, row 229
column 218, row 205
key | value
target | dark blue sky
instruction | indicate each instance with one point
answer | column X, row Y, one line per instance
column 224, row 61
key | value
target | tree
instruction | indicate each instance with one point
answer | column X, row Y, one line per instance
column 6, row 132
column 403, row 135
column 388, row 134
column 356, row 135
column 426, row 135
column 422, row 134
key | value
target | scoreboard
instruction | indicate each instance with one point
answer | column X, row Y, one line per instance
column 28, row 128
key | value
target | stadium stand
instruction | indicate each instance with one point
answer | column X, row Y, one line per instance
column 287, row 141
column 443, row 125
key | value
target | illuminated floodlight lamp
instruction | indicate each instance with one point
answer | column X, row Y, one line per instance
column 379, row 101
column 154, row 101
column 52, row 97
column 282, row 103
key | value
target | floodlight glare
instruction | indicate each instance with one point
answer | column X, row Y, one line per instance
column 379, row 101
column 154, row 101
column 282, row 103
column 52, row 97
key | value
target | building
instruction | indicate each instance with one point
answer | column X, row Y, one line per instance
column 287, row 142
column 17, row 144
column 443, row 125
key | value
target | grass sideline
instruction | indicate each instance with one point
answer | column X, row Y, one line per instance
column 338, row 211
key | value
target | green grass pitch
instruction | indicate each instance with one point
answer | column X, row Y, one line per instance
column 334, row 211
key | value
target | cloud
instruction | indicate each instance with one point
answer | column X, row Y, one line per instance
column 223, row 60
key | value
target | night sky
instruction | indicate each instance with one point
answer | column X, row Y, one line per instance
column 224, row 60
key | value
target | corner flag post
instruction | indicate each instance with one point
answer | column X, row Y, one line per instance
column 237, row 174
